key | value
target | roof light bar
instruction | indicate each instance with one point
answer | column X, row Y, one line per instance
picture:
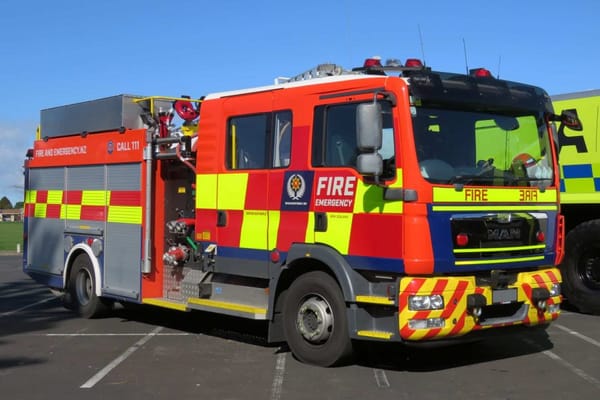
column 480, row 73
column 413, row 63
column 374, row 61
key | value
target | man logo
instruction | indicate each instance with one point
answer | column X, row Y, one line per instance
column 296, row 187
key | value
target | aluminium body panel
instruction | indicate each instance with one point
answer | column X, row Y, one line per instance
column 106, row 114
column 123, row 241
column 45, row 241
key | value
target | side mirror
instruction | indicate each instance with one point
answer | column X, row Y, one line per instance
column 369, row 127
column 571, row 120
column 370, row 164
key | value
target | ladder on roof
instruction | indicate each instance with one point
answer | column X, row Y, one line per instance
column 320, row 71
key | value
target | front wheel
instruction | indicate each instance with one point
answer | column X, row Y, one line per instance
column 82, row 291
column 581, row 267
column 315, row 324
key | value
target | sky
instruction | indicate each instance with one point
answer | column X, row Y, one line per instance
column 60, row 52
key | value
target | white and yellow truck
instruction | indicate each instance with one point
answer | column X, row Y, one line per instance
column 579, row 159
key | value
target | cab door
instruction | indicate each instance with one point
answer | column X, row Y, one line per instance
column 242, row 217
column 351, row 214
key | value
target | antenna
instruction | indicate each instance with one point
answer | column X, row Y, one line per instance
column 422, row 46
column 465, row 51
column 499, row 63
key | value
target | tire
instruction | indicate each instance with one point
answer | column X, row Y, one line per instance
column 581, row 267
column 314, row 321
column 82, row 295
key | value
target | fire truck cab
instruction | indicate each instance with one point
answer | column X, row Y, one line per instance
column 388, row 203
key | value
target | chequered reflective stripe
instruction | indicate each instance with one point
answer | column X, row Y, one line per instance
column 230, row 192
column 366, row 193
column 580, row 178
column 92, row 205
column 455, row 291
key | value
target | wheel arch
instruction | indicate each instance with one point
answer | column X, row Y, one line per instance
column 309, row 257
column 303, row 258
column 77, row 250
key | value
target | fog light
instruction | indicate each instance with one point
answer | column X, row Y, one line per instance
column 431, row 302
column 555, row 289
column 541, row 304
column 553, row 308
column 428, row 323
column 539, row 294
column 475, row 304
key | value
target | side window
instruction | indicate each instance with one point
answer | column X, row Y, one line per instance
column 259, row 141
column 282, row 139
column 334, row 136
column 340, row 136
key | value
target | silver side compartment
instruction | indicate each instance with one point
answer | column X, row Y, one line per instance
column 107, row 114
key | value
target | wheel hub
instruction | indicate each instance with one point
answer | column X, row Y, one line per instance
column 315, row 320
column 592, row 271
column 83, row 286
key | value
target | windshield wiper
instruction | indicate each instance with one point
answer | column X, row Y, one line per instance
column 461, row 180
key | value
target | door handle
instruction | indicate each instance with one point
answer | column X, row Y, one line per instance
column 320, row 222
column 221, row 218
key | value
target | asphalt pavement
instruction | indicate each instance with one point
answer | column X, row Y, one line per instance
column 46, row 352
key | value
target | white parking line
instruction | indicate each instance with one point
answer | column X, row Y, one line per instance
column 577, row 371
column 574, row 369
column 6, row 314
column 277, row 386
column 114, row 363
column 111, row 334
column 577, row 334
column 381, row 378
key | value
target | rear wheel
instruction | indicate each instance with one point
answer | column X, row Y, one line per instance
column 581, row 267
column 315, row 324
column 82, row 293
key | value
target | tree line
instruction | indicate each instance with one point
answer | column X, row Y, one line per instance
column 5, row 204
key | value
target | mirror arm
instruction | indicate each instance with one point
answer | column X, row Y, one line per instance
column 399, row 194
column 388, row 96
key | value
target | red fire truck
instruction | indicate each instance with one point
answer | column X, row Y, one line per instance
column 390, row 203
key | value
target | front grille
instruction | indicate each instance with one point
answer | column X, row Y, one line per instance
column 499, row 311
column 498, row 235
column 503, row 313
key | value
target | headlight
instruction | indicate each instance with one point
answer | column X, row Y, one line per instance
column 431, row 302
column 555, row 289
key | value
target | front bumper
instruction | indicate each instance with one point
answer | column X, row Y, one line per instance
column 521, row 302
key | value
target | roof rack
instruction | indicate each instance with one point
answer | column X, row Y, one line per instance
column 320, row 71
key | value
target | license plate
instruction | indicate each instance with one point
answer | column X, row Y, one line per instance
column 504, row 296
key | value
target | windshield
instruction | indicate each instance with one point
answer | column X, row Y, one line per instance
column 480, row 148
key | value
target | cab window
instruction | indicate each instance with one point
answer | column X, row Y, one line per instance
column 259, row 141
column 334, row 136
